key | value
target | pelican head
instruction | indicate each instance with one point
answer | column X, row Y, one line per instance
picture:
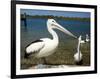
column 80, row 38
column 53, row 24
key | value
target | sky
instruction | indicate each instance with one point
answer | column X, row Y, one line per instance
column 56, row 13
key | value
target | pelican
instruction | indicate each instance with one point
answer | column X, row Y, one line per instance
column 78, row 54
column 46, row 46
column 87, row 38
column 82, row 41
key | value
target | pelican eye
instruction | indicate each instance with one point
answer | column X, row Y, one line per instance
column 53, row 21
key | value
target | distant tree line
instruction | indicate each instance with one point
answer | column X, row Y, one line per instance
column 57, row 17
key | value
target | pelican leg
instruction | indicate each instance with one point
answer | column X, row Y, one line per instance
column 44, row 60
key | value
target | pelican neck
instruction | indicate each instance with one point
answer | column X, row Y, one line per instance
column 53, row 33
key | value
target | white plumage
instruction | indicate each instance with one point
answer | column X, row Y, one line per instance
column 82, row 41
column 46, row 46
column 78, row 54
column 35, row 47
column 87, row 38
column 78, row 57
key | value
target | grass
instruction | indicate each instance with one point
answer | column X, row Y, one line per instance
column 63, row 55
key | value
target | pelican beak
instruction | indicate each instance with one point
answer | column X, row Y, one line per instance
column 59, row 27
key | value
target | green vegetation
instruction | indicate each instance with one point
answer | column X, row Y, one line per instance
column 57, row 17
column 63, row 55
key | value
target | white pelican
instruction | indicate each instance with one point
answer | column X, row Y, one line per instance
column 87, row 38
column 78, row 54
column 46, row 46
column 82, row 41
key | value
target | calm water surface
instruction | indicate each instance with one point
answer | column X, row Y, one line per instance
column 37, row 28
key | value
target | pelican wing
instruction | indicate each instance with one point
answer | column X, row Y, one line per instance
column 35, row 46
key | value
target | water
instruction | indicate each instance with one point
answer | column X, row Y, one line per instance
column 37, row 28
